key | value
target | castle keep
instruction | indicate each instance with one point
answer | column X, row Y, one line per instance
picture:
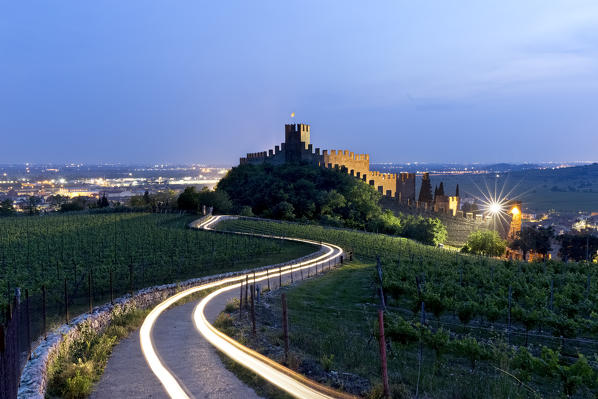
column 297, row 148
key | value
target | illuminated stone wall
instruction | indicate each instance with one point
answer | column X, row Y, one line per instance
column 298, row 148
column 458, row 227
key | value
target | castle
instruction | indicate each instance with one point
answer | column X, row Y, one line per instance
column 398, row 190
column 298, row 148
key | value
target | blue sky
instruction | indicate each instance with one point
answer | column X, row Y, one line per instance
column 192, row 81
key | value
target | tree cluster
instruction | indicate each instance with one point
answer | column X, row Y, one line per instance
column 6, row 208
column 578, row 247
column 429, row 231
column 485, row 242
column 533, row 239
column 307, row 193
column 157, row 202
column 193, row 201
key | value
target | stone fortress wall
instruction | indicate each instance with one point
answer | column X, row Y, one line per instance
column 298, row 148
column 458, row 226
column 398, row 190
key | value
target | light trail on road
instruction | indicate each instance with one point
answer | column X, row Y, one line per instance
column 284, row 378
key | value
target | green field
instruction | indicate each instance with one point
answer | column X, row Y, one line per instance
column 138, row 249
column 467, row 346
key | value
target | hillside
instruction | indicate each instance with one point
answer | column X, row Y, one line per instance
column 456, row 326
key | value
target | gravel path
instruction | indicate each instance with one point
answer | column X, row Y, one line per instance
column 191, row 358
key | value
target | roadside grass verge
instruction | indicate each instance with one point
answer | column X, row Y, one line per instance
column 81, row 363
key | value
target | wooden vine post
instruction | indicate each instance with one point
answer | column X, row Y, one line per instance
column 44, row 316
column 509, row 316
column 379, row 268
column 285, row 326
column 383, row 354
column 246, row 290
column 66, row 304
column 241, row 300
column 253, row 309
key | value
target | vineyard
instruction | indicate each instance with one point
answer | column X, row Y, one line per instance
column 530, row 329
column 100, row 256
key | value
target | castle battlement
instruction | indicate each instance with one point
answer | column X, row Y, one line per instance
column 297, row 148
column 398, row 189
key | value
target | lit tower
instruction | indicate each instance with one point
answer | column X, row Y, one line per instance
column 515, row 225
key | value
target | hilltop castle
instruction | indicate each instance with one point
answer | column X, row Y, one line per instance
column 298, row 148
column 398, row 190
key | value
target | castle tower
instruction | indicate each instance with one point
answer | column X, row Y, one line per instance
column 515, row 224
column 406, row 187
column 297, row 139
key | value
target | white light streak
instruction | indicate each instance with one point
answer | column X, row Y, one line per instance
column 286, row 379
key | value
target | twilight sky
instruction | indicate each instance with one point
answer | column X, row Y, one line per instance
column 196, row 81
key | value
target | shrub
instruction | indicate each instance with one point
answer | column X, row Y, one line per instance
column 232, row 305
column 466, row 312
column 223, row 321
column 438, row 341
column 486, row 242
column 246, row 211
column 80, row 363
column 436, row 304
column 326, row 362
column 79, row 379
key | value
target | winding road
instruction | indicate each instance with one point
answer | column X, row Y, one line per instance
column 175, row 353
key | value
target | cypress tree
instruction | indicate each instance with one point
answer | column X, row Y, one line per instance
column 457, row 191
column 425, row 192
column 441, row 189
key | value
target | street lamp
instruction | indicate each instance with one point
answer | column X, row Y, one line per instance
column 495, row 208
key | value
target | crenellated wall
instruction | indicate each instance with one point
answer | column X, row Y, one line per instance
column 385, row 183
column 297, row 148
column 357, row 165
column 399, row 190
